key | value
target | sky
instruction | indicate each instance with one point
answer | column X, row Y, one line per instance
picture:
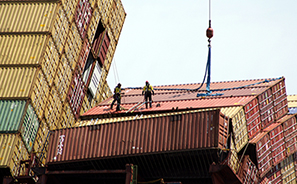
column 164, row 42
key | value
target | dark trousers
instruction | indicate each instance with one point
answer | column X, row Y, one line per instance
column 148, row 96
column 117, row 99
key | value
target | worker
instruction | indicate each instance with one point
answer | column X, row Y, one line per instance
column 148, row 91
column 117, row 97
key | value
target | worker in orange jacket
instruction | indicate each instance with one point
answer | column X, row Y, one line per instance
column 148, row 91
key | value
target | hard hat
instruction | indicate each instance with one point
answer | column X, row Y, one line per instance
column 146, row 82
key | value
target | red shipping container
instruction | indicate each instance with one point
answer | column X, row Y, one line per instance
column 290, row 133
column 252, row 117
column 83, row 56
column 104, row 48
column 76, row 93
column 275, row 175
column 262, row 149
column 279, row 99
column 248, row 171
column 266, row 108
column 83, row 16
column 185, row 131
column 278, row 149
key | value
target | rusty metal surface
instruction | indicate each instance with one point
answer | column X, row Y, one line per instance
column 173, row 105
column 190, row 131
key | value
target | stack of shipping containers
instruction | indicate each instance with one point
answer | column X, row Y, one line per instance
column 55, row 57
column 263, row 134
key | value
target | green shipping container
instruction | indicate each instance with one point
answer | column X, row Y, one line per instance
column 18, row 116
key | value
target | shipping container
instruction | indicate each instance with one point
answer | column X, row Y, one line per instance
column 60, row 29
column 63, row 77
column 104, row 48
column 76, row 93
column 83, row 16
column 288, row 170
column 18, row 17
column 73, row 46
column 50, row 61
column 83, row 56
column 41, row 142
column 23, row 79
column 292, row 100
column 248, row 171
column 252, row 115
column 266, row 108
column 22, row 49
column 40, row 94
column 279, row 99
column 12, row 152
column 278, row 147
column 95, row 25
column 69, row 8
column 18, row 116
column 104, row 9
column 53, row 109
column 239, row 127
column 232, row 160
column 274, row 175
column 67, row 119
column 116, row 19
column 290, row 133
column 186, row 131
column 260, row 152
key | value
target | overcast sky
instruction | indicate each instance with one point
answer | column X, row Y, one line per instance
column 164, row 42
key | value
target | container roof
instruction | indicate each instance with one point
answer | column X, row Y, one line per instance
column 184, row 97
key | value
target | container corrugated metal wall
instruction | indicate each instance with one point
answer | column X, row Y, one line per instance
column 275, row 175
column 40, row 94
column 29, row 128
column 279, row 99
column 25, row 49
column 26, row 17
column 277, row 140
column 23, row 78
column 290, row 133
column 53, row 109
column 263, row 152
column 50, row 61
column 252, row 115
column 40, row 142
column 76, row 93
column 18, row 116
column 83, row 16
column 169, row 133
column 60, row 29
column 73, row 46
column 288, row 170
column 69, row 7
column 63, row 77
column 67, row 119
column 266, row 108
column 116, row 19
column 93, row 24
column 248, row 171
column 238, row 125
column 11, row 115
column 12, row 151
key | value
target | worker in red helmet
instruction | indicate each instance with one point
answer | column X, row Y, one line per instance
column 148, row 91
column 117, row 97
